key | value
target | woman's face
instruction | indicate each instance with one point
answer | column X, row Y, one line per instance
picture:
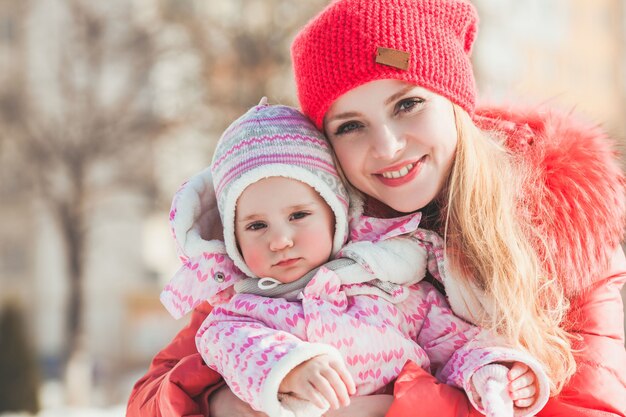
column 395, row 141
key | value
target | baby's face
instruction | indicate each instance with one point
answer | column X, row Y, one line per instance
column 284, row 228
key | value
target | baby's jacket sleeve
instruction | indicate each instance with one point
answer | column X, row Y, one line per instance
column 458, row 349
column 254, row 354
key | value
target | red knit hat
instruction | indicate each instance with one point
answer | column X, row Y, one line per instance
column 352, row 42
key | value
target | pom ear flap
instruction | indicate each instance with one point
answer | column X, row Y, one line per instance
column 194, row 217
column 208, row 221
column 207, row 273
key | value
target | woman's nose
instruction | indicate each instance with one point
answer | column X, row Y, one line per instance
column 280, row 240
column 388, row 142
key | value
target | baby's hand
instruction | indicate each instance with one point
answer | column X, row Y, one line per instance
column 522, row 385
column 321, row 380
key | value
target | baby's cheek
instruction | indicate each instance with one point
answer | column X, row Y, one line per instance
column 255, row 261
column 318, row 243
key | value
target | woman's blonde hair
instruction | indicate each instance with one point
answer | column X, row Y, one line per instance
column 488, row 243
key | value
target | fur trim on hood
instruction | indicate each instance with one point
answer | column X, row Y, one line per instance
column 574, row 192
column 206, row 273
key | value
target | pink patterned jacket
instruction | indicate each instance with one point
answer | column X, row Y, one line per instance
column 254, row 341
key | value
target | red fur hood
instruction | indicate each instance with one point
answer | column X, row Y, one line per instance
column 575, row 190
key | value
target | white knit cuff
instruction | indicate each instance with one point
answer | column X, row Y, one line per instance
column 543, row 383
column 491, row 384
column 269, row 392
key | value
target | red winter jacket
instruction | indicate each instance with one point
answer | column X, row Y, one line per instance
column 576, row 195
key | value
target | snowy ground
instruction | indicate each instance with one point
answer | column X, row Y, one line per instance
column 51, row 401
column 118, row 411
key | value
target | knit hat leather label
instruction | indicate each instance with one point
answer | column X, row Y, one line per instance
column 392, row 57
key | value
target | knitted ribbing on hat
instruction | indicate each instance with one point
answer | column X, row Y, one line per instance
column 336, row 51
column 269, row 141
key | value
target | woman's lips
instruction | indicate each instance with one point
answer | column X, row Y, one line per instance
column 400, row 174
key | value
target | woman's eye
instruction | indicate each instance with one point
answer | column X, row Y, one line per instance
column 299, row 215
column 256, row 226
column 347, row 128
column 408, row 104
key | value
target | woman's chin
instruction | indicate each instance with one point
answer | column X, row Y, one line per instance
column 406, row 206
column 406, row 199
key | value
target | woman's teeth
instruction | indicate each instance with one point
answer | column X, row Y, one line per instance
column 400, row 173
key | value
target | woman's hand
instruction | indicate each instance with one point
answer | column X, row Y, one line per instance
column 321, row 380
column 522, row 385
column 367, row 406
column 223, row 403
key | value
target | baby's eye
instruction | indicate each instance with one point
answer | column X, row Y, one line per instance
column 299, row 215
column 256, row 226
column 347, row 127
column 408, row 104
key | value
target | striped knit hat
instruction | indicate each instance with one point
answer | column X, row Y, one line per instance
column 272, row 141
column 352, row 42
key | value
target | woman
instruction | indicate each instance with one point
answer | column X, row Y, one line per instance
column 530, row 202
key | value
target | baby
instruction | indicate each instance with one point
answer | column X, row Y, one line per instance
column 299, row 335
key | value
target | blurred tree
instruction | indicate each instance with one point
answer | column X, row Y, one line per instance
column 243, row 47
column 19, row 375
column 82, row 125
column 85, row 125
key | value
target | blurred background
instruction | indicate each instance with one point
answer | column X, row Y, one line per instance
column 107, row 107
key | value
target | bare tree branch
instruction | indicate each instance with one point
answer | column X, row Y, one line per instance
column 239, row 59
column 95, row 120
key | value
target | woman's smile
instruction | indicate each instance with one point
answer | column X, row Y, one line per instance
column 401, row 173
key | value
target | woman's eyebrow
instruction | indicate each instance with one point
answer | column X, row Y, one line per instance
column 346, row 115
column 399, row 94
column 390, row 99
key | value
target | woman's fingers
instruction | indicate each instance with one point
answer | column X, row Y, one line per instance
column 521, row 382
column 223, row 403
column 367, row 406
column 525, row 397
column 523, row 386
column 517, row 370
column 525, row 393
column 527, row 402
